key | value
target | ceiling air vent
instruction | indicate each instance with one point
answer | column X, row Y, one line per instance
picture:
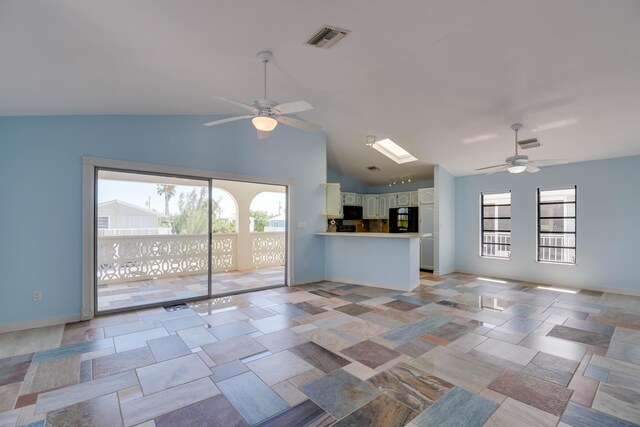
column 529, row 143
column 373, row 168
column 327, row 36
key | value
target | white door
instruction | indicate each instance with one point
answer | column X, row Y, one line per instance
column 426, row 253
column 427, row 219
column 370, row 207
column 403, row 199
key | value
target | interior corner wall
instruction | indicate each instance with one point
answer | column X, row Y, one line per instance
column 41, row 192
column 445, row 221
column 608, row 231
column 347, row 184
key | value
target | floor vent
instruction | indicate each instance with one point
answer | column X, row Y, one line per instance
column 327, row 36
column 176, row 307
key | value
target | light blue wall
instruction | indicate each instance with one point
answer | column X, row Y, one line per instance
column 608, row 224
column 347, row 184
column 41, row 191
column 445, row 205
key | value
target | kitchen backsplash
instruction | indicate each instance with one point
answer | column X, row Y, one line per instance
column 361, row 225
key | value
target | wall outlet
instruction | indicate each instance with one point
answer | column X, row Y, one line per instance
column 37, row 295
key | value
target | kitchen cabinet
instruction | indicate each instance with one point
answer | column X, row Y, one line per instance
column 426, row 196
column 350, row 199
column 392, row 200
column 358, row 199
column 402, row 199
column 427, row 219
column 383, row 207
column 333, row 207
column 413, row 198
column 426, row 253
column 370, row 208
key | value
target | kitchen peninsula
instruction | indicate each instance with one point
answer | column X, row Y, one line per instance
column 384, row 260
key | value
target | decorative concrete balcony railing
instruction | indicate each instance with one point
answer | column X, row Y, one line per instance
column 500, row 247
column 132, row 258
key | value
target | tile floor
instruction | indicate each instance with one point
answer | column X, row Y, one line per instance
column 142, row 292
column 454, row 352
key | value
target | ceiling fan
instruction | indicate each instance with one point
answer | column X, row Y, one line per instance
column 519, row 162
column 266, row 113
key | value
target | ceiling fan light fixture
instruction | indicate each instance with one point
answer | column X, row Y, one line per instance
column 517, row 169
column 264, row 123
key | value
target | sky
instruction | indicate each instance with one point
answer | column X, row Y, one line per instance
column 142, row 193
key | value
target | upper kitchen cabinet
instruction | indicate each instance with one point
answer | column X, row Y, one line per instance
column 333, row 207
column 403, row 199
column 351, row 199
column 426, row 196
column 370, row 210
column 392, row 200
column 413, row 198
column 383, row 207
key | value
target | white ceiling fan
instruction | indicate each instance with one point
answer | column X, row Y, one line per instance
column 519, row 162
column 266, row 113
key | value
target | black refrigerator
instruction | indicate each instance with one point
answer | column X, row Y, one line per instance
column 403, row 220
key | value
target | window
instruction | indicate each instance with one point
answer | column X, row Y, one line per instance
column 103, row 222
column 557, row 225
column 496, row 225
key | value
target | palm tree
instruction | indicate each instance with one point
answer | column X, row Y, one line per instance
column 168, row 191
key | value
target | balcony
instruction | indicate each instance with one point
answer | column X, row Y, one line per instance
column 499, row 245
column 140, row 269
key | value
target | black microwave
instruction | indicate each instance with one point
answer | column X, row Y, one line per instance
column 352, row 212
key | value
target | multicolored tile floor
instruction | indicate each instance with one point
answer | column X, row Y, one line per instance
column 144, row 292
column 457, row 351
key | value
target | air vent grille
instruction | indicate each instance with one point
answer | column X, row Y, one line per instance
column 373, row 168
column 327, row 36
column 529, row 143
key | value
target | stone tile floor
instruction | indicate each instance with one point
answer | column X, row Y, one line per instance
column 142, row 292
column 457, row 351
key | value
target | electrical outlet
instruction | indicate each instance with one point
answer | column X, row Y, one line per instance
column 37, row 295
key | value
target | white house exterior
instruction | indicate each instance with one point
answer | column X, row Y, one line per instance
column 118, row 218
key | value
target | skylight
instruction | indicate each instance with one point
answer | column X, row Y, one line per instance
column 393, row 151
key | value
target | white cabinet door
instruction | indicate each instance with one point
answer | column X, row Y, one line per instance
column 426, row 253
column 358, row 200
column 425, row 195
column 334, row 201
column 427, row 218
column 370, row 206
column 392, row 200
column 349, row 199
column 413, row 196
column 403, row 199
column 383, row 207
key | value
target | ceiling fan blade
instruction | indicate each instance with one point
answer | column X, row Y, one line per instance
column 227, row 120
column 238, row 103
column 297, row 123
column 502, row 169
column 532, row 169
column 263, row 134
column 494, row 166
column 292, row 107
column 549, row 162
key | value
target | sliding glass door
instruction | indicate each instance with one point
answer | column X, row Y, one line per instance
column 152, row 239
column 164, row 239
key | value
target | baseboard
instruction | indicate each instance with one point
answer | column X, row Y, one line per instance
column 555, row 283
column 50, row 321
column 308, row 281
column 373, row 285
column 444, row 272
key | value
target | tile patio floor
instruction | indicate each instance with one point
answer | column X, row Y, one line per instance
column 142, row 292
column 338, row 354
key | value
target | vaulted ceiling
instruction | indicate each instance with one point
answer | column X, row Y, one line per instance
column 426, row 73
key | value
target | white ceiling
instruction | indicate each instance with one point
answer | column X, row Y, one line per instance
column 427, row 74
